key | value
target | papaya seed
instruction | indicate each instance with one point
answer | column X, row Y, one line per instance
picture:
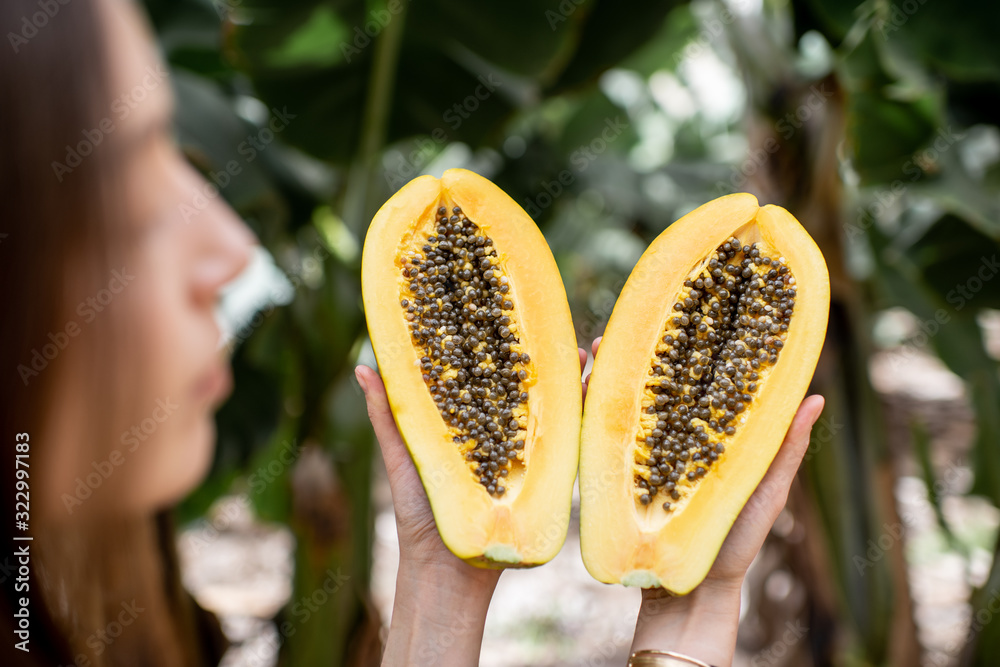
column 726, row 329
column 463, row 325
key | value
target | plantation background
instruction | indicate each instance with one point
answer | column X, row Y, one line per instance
column 874, row 123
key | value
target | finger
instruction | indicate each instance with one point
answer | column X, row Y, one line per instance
column 586, row 380
column 769, row 498
column 760, row 512
column 778, row 479
column 583, row 358
column 378, row 404
column 394, row 453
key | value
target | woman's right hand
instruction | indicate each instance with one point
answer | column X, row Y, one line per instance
column 703, row 623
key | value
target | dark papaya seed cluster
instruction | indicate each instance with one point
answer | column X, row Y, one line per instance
column 461, row 318
column 724, row 332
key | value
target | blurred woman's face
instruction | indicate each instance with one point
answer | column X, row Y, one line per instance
column 176, row 263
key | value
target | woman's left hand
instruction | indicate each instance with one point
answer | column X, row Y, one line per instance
column 440, row 605
column 441, row 601
column 420, row 545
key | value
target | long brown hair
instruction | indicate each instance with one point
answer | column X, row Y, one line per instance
column 59, row 231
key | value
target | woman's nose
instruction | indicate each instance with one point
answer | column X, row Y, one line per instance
column 226, row 249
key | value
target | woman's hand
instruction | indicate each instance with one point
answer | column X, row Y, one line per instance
column 440, row 605
column 420, row 545
column 441, row 601
column 703, row 623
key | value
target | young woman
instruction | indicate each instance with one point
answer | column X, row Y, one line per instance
column 110, row 352
column 112, row 371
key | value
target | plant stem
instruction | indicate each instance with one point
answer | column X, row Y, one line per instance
column 375, row 120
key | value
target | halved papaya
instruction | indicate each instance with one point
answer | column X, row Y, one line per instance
column 708, row 352
column 472, row 332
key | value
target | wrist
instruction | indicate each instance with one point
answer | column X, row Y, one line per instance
column 447, row 580
column 701, row 624
column 439, row 612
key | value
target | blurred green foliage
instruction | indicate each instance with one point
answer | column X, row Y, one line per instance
column 606, row 121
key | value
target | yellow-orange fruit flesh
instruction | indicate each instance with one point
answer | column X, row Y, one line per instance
column 725, row 331
column 472, row 332
column 694, row 387
column 458, row 305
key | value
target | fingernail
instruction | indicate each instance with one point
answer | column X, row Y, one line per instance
column 819, row 413
column 361, row 380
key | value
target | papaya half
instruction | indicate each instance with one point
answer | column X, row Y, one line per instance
column 473, row 336
column 709, row 350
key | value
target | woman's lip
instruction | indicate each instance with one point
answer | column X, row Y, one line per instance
column 215, row 384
